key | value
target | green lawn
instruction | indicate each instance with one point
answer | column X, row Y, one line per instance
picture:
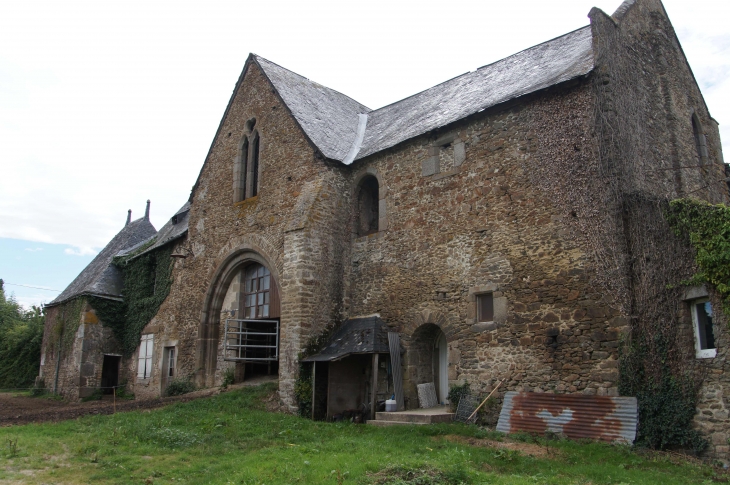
column 230, row 438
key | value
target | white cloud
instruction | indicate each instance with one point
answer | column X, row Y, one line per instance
column 107, row 104
column 34, row 250
column 82, row 251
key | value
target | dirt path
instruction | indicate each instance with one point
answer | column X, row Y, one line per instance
column 18, row 409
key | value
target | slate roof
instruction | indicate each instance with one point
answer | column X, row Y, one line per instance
column 368, row 335
column 531, row 70
column 328, row 118
column 173, row 229
column 344, row 130
column 100, row 277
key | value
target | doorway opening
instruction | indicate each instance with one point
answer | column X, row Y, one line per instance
column 428, row 361
column 110, row 373
column 252, row 339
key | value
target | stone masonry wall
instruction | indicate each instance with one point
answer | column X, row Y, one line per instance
column 644, row 120
column 82, row 344
column 484, row 226
column 263, row 225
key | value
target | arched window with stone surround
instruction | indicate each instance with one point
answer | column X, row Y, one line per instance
column 700, row 140
column 367, row 200
column 242, row 170
column 246, row 180
column 254, row 166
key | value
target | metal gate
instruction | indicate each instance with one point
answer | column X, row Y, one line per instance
column 251, row 340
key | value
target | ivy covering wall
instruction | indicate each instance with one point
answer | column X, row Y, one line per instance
column 708, row 229
column 147, row 282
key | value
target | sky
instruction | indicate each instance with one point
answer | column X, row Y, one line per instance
column 105, row 104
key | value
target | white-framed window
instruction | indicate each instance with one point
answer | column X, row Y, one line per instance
column 170, row 361
column 144, row 364
column 702, row 324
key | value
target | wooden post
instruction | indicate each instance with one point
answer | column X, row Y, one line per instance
column 485, row 400
column 114, row 392
column 374, row 387
column 314, row 370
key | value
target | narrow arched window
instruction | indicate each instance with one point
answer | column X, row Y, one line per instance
column 255, row 165
column 246, row 182
column 367, row 200
column 243, row 170
column 700, row 140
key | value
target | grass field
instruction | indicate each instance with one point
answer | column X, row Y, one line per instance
column 231, row 439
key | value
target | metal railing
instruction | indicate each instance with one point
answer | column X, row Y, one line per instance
column 249, row 340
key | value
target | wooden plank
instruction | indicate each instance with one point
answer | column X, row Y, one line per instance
column 314, row 370
column 374, row 387
column 394, row 346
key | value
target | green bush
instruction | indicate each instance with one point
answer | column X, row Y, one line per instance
column 303, row 391
column 229, row 377
column 180, row 386
column 457, row 392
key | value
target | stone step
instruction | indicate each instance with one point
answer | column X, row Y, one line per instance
column 375, row 422
column 406, row 417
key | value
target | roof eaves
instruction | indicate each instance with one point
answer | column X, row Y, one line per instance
column 220, row 124
column 314, row 146
column 81, row 295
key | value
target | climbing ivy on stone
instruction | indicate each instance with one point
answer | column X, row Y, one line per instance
column 708, row 229
column 147, row 282
column 63, row 332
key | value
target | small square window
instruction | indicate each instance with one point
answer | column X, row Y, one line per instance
column 702, row 323
column 485, row 307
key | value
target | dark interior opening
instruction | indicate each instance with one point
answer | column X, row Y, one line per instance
column 367, row 206
column 110, row 373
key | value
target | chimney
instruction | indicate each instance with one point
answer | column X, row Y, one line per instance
column 129, row 216
column 147, row 211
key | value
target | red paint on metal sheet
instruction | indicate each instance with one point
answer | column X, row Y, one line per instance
column 575, row 416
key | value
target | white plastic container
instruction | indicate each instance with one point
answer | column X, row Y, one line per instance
column 390, row 406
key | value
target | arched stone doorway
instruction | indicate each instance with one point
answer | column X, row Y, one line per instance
column 240, row 323
column 250, row 323
column 428, row 361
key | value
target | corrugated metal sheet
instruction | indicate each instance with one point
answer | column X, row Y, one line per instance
column 573, row 415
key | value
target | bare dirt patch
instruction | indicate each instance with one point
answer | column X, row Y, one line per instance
column 15, row 409
column 19, row 409
column 530, row 449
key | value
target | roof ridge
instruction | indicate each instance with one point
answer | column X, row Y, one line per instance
column 259, row 58
column 375, row 111
column 533, row 47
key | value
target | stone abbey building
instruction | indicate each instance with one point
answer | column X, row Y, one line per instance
column 506, row 224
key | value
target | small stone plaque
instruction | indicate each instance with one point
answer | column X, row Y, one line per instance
column 427, row 395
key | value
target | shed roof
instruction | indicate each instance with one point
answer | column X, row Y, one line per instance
column 345, row 130
column 368, row 335
column 100, row 277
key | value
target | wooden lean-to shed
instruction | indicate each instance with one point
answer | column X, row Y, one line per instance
column 355, row 362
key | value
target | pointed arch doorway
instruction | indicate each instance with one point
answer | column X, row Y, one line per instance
column 244, row 285
column 428, row 361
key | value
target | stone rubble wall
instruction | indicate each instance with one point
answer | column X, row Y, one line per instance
column 304, row 259
column 644, row 120
column 82, row 355
column 485, row 226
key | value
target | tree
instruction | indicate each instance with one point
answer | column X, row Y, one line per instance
column 21, row 334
